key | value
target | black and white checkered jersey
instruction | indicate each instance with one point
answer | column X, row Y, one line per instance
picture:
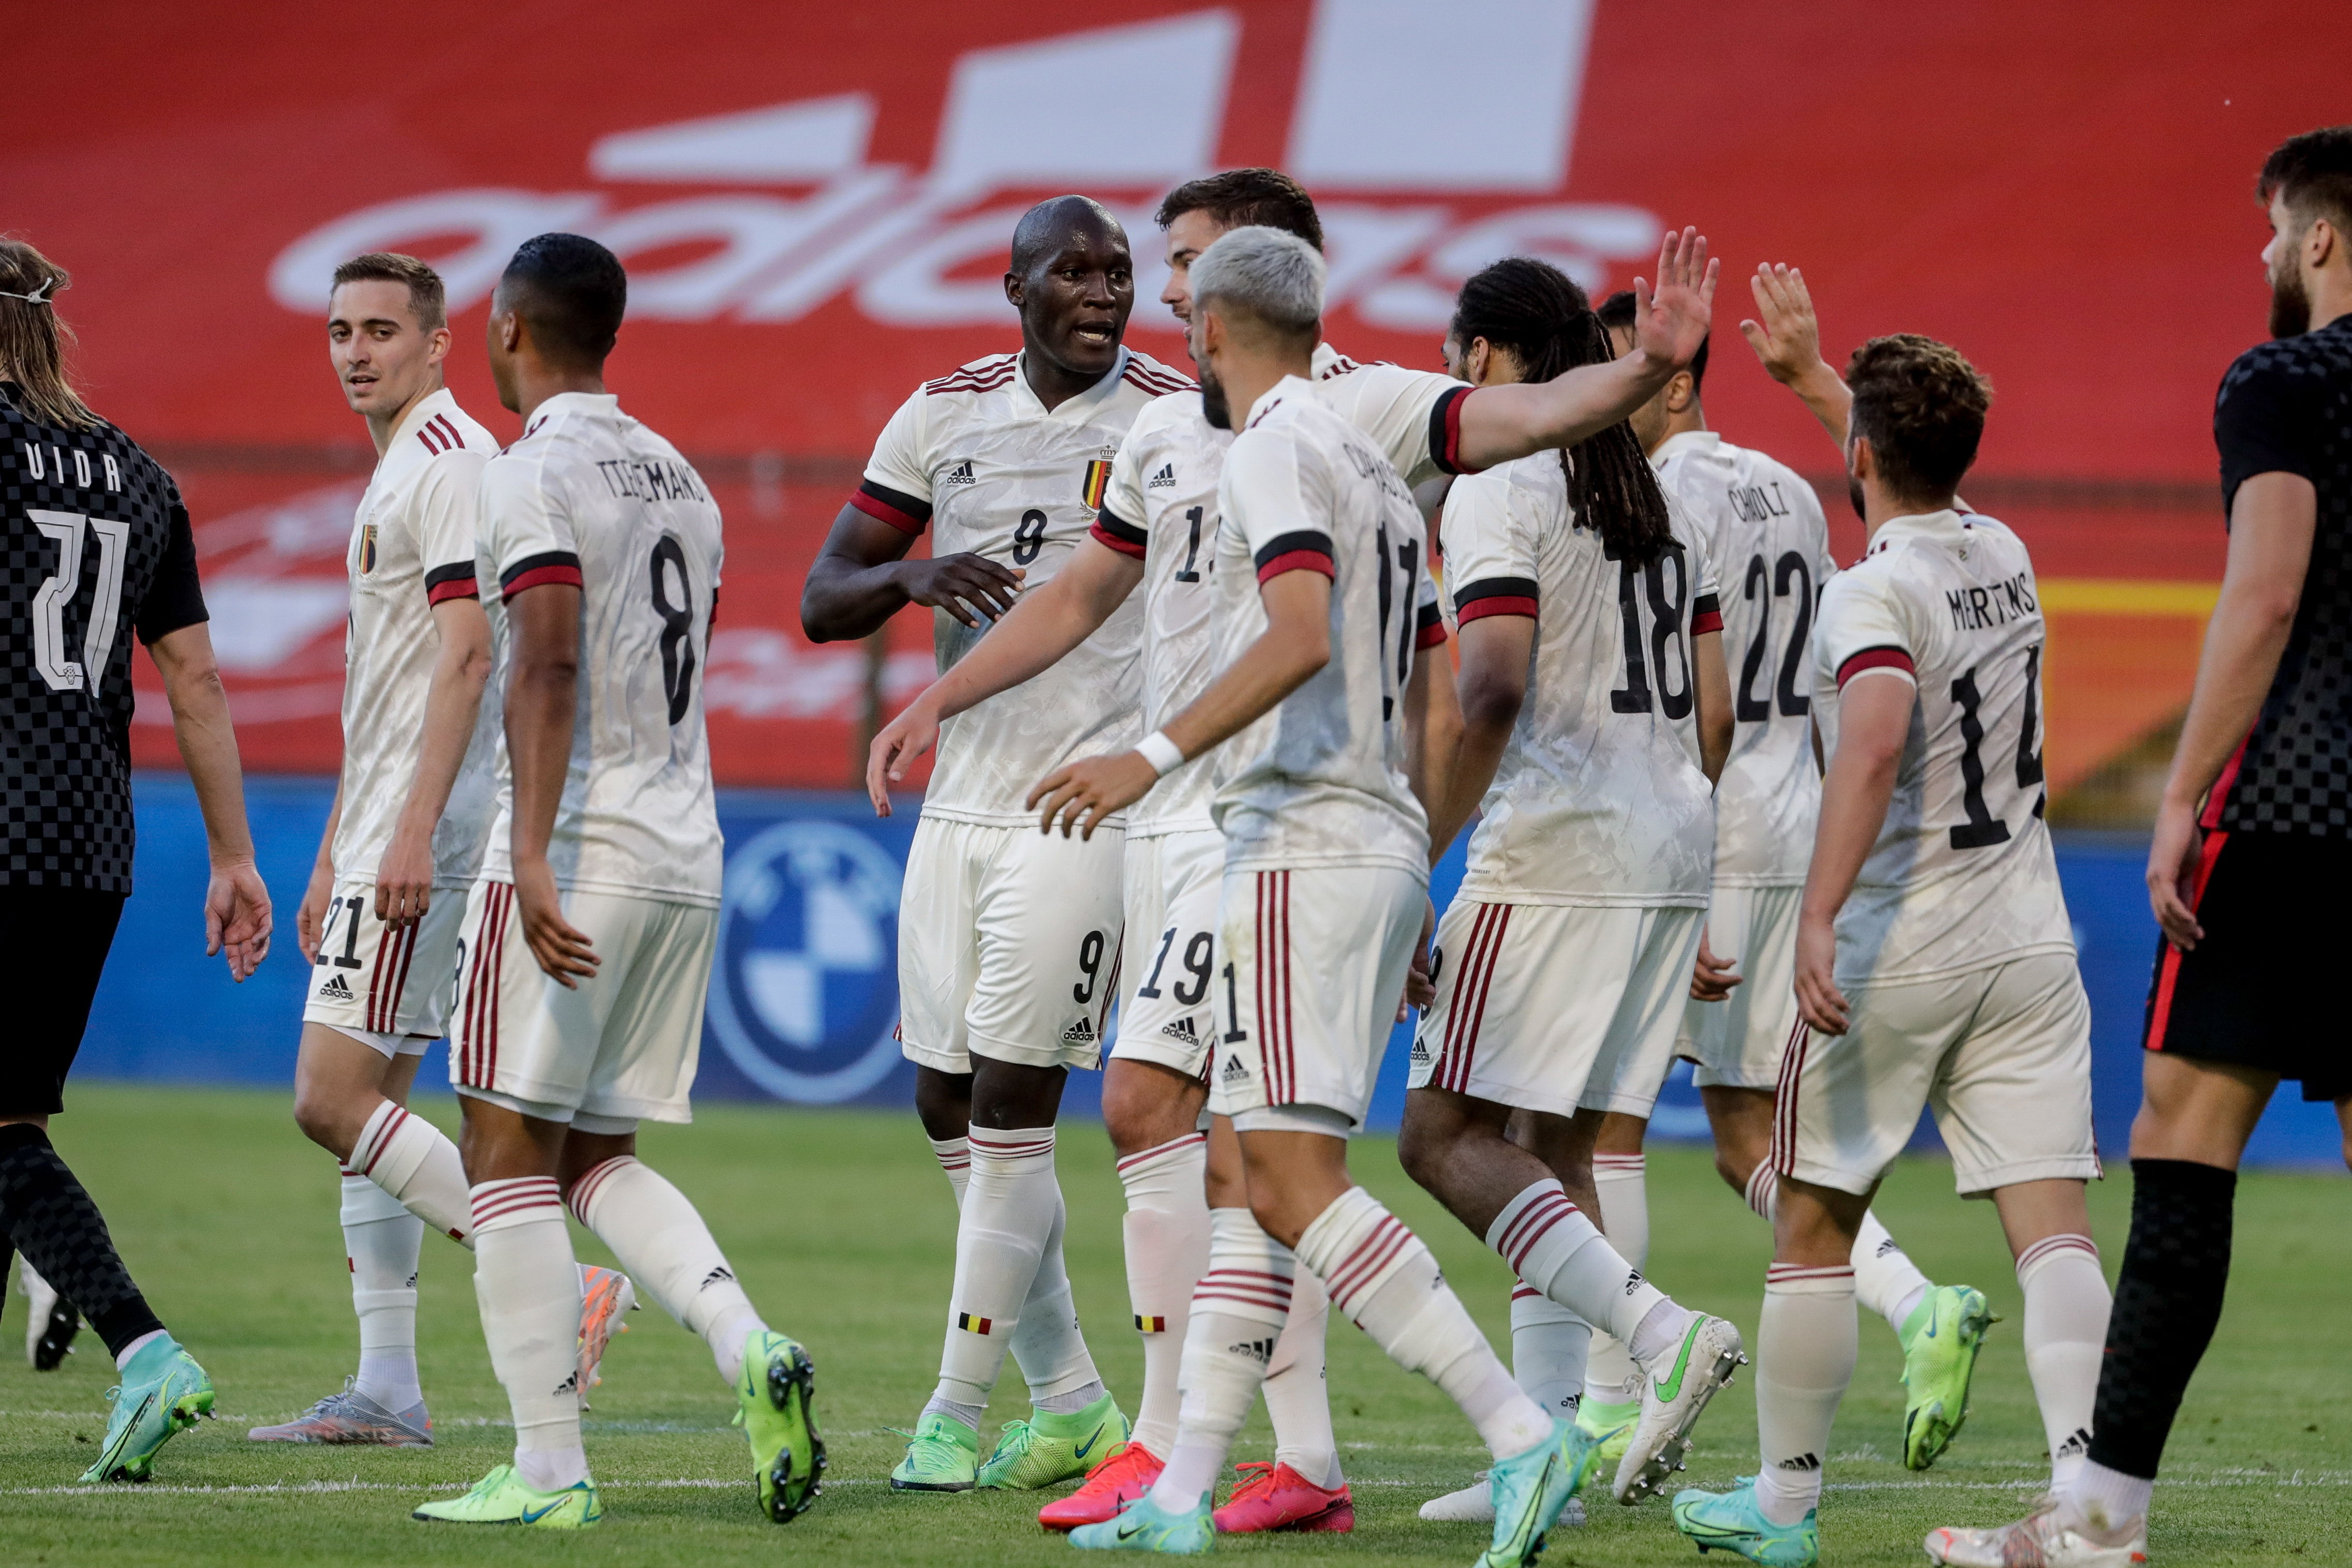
column 98, row 546
column 2285, row 406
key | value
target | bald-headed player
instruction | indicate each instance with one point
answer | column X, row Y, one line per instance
column 1008, row 941
column 1159, row 529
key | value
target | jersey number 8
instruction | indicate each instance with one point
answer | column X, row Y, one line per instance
column 678, row 624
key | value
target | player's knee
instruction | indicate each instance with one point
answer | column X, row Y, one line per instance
column 1423, row 1144
column 323, row 1121
column 1277, row 1215
column 1735, row 1167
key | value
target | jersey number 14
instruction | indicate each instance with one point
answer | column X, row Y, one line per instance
column 1983, row 829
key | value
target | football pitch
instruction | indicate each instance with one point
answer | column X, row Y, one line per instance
column 843, row 1231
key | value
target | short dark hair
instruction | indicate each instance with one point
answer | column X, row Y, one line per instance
column 1038, row 236
column 572, row 291
column 1616, row 314
column 1241, row 197
column 2311, row 174
column 1921, row 406
column 427, row 296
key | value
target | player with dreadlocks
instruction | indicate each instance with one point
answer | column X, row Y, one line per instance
column 1596, row 716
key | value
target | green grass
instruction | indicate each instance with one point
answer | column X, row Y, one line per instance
column 842, row 1228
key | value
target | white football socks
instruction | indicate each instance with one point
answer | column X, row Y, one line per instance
column 381, row 1242
column 2108, row 1502
column 1548, row 1347
column 2066, row 1304
column 1237, row 1316
column 661, row 1242
column 1550, row 1245
column 1622, row 1183
column 415, row 1161
column 1297, row 1401
column 1048, row 1345
column 528, row 1283
column 1167, row 1235
column 1884, row 1278
column 1805, row 1349
column 1010, row 1225
column 1384, row 1280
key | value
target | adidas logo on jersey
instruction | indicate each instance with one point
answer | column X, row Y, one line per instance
column 961, row 474
column 1801, row 1462
column 336, row 990
column 1163, row 480
column 1181, row 1029
column 1079, row 1033
column 1234, row 1072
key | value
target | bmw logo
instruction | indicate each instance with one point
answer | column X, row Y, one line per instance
column 803, row 997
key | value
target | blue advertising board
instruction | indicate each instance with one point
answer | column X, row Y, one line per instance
column 803, row 997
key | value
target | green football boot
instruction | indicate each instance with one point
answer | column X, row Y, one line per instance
column 1730, row 1521
column 1611, row 1426
column 162, row 1392
column 1141, row 1526
column 1940, row 1341
column 1530, row 1489
column 1049, row 1448
column 502, row 1498
column 942, row 1455
column 775, row 1389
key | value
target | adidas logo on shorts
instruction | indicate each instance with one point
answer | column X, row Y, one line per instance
column 1420, row 1049
column 1181, row 1030
column 961, row 474
column 336, row 990
column 1234, row 1072
column 1079, row 1033
column 1163, row 480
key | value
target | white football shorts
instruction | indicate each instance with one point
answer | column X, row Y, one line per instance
column 1312, row 967
column 620, row 1047
column 1554, row 1007
column 1738, row 1042
column 387, row 988
column 2002, row 1054
column 1008, row 945
column 1173, row 883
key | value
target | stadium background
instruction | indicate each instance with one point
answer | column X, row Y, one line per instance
column 815, row 217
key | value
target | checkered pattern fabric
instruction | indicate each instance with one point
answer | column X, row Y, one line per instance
column 2286, row 406
column 49, row 1216
column 64, row 778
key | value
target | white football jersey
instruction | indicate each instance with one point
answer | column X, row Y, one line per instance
column 976, row 457
column 1771, row 546
column 1163, row 508
column 591, row 497
column 1598, row 797
column 1962, row 875
column 412, row 547
column 1319, row 779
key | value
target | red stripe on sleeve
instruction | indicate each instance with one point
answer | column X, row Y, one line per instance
column 1876, row 659
column 453, row 588
column 882, row 511
column 1430, row 636
column 1706, row 620
column 1103, row 535
column 540, row 577
column 1298, row 560
column 1497, row 604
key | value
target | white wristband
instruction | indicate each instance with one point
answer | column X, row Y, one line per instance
column 1161, row 752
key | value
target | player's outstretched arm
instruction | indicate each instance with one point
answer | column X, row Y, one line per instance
column 2271, row 520
column 544, row 625
column 1295, row 643
column 1787, row 337
column 1034, row 635
column 862, row 578
column 1501, row 422
column 1873, row 722
column 237, row 902
column 1492, row 685
column 461, row 668
column 311, row 914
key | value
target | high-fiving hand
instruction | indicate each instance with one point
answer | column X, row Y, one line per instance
column 1785, row 333
column 1670, row 325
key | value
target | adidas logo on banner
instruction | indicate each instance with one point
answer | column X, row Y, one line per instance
column 1181, row 1030
column 961, row 474
column 1079, row 1033
column 1234, row 1072
column 1163, row 480
column 335, row 990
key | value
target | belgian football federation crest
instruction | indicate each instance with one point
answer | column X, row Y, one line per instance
column 1098, row 483
column 367, row 549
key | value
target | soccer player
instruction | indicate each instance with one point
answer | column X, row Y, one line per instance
column 1008, row 942
column 1767, row 535
column 586, row 950
column 100, row 547
column 1595, row 714
column 2252, row 838
column 1320, row 609
column 1934, row 960
column 1158, row 528
column 382, row 938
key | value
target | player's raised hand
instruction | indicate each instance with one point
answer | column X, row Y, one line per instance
column 2173, row 859
column 1712, row 978
column 1784, row 332
column 561, row 949
column 971, row 588
column 1670, row 325
column 404, row 878
column 236, row 918
column 894, row 749
column 1082, row 794
column 311, row 914
column 1819, row 1001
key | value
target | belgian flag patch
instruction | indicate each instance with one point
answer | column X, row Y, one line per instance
column 1098, row 483
column 976, row 1325
column 1151, row 1325
column 367, row 549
